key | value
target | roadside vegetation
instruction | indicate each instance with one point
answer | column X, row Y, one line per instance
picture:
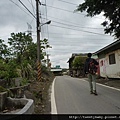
column 18, row 58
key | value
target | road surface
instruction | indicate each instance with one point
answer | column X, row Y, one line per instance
column 71, row 96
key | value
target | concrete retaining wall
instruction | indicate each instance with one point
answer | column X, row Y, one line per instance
column 28, row 105
column 3, row 97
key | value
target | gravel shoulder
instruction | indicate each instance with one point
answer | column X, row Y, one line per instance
column 40, row 93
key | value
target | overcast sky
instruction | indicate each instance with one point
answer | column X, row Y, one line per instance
column 69, row 31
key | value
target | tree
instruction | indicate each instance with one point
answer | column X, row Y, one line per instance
column 22, row 45
column 44, row 45
column 78, row 62
column 8, row 70
column 19, row 42
column 4, row 51
column 31, row 52
column 111, row 11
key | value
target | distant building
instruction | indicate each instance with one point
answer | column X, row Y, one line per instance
column 74, row 71
column 109, row 60
column 57, row 70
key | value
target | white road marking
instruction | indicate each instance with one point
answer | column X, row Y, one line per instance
column 105, row 85
column 53, row 104
column 108, row 86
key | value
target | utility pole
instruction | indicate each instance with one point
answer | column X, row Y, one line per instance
column 38, row 41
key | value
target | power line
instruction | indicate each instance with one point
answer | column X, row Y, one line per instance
column 77, row 30
column 19, row 7
column 71, row 44
column 69, row 11
column 60, row 22
column 42, row 31
column 78, row 25
column 32, row 6
column 68, row 2
column 73, row 50
column 64, row 9
column 79, row 38
column 74, row 25
column 46, row 18
column 69, row 34
column 27, row 9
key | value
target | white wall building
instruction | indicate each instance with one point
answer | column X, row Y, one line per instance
column 109, row 60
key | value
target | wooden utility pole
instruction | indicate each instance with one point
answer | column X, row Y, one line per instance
column 38, row 41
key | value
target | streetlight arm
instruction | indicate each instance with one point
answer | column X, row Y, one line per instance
column 46, row 23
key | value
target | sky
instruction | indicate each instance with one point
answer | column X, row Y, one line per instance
column 69, row 31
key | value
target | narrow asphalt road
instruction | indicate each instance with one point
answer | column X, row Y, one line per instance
column 72, row 96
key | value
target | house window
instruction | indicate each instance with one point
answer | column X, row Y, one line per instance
column 112, row 59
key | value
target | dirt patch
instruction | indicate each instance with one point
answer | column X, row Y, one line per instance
column 39, row 92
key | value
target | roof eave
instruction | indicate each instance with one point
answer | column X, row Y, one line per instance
column 107, row 47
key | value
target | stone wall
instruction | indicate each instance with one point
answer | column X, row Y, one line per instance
column 3, row 97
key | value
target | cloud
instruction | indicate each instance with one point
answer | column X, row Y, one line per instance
column 68, row 32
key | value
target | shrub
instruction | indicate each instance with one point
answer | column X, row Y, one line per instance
column 2, row 89
column 23, row 82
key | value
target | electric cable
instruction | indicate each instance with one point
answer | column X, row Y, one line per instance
column 77, row 30
column 19, row 7
column 27, row 9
